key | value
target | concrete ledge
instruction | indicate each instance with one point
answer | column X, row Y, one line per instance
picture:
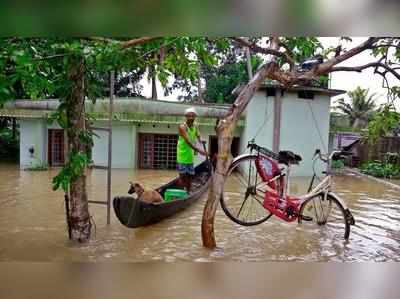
column 355, row 171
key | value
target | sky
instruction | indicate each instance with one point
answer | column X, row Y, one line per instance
column 339, row 80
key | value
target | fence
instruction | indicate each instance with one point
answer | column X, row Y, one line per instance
column 378, row 150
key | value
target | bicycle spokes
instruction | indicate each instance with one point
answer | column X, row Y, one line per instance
column 244, row 204
column 325, row 212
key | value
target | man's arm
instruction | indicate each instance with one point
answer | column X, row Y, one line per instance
column 202, row 142
column 198, row 135
column 183, row 133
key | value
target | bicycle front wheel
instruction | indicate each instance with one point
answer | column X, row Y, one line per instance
column 243, row 204
column 325, row 212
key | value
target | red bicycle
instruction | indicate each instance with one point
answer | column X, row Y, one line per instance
column 263, row 192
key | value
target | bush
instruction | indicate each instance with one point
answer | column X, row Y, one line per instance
column 337, row 164
column 380, row 169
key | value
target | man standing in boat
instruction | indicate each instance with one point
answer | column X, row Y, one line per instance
column 186, row 149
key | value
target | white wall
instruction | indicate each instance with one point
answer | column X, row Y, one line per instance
column 259, row 121
column 33, row 133
column 304, row 128
column 123, row 146
column 298, row 132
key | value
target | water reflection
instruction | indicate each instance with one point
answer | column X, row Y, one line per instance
column 32, row 225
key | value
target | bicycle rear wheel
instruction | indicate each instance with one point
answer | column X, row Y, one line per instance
column 244, row 204
column 326, row 213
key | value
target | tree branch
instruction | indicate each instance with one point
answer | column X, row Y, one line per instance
column 290, row 78
column 51, row 57
column 363, row 67
column 137, row 41
column 124, row 44
column 270, row 51
column 386, row 46
column 324, row 68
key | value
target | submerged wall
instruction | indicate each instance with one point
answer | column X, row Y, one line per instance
column 33, row 134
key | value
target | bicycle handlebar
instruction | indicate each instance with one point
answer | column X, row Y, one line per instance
column 335, row 155
column 253, row 146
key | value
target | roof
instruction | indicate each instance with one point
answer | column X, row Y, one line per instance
column 327, row 91
column 137, row 111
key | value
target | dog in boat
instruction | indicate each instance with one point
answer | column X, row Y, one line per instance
column 148, row 196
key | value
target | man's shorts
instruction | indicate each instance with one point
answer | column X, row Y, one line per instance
column 185, row 168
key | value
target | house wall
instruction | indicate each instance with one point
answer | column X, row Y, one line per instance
column 305, row 128
column 33, row 133
column 298, row 130
column 259, row 121
column 123, row 146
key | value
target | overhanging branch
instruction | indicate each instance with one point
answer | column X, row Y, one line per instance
column 124, row 44
column 268, row 51
column 363, row 67
column 137, row 41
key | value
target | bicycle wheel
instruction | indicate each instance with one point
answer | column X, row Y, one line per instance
column 326, row 213
column 244, row 203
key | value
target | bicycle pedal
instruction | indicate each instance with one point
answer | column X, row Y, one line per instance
column 306, row 218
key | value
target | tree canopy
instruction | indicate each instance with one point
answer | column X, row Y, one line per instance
column 360, row 108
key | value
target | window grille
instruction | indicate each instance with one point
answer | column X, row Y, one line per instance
column 157, row 151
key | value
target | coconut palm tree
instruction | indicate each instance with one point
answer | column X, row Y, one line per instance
column 360, row 108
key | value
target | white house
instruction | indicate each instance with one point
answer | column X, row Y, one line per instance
column 294, row 119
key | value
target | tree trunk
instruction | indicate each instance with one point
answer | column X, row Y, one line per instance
column 79, row 209
column 200, row 98
column 153, row 84
column 225, row 131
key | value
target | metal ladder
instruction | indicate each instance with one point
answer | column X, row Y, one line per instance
column 108, row 167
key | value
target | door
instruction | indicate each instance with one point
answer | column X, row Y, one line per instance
column 55, row 147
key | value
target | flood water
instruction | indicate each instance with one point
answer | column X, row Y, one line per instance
column 33, row 226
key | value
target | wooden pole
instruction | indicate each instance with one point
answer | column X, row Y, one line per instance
column 249, row 67
column 277, row 121
column 110, row 115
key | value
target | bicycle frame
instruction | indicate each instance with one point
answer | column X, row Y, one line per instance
column 324, row 187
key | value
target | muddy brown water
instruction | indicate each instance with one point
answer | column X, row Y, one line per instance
column 32, row 225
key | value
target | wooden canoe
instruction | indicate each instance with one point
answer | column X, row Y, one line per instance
column 135, row 213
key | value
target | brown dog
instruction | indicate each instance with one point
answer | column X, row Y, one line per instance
column 149, row 196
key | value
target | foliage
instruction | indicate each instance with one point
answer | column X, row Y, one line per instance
column 303, row 48
column 384, row 122
column 71, row 171
column 222, row 80
column 37, row 167
column 9, row 146
column 339, row 122
column 393, row 158
column 337, row 164
column 360, row 108
column 381, row 169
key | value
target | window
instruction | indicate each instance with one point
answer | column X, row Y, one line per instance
column 157, row 151
column 306, row 94
column 271, row 92
column 55, row 147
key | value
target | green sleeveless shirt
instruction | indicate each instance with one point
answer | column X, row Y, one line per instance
column 184, row 152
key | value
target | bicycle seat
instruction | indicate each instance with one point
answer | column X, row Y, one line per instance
column 288, row 157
